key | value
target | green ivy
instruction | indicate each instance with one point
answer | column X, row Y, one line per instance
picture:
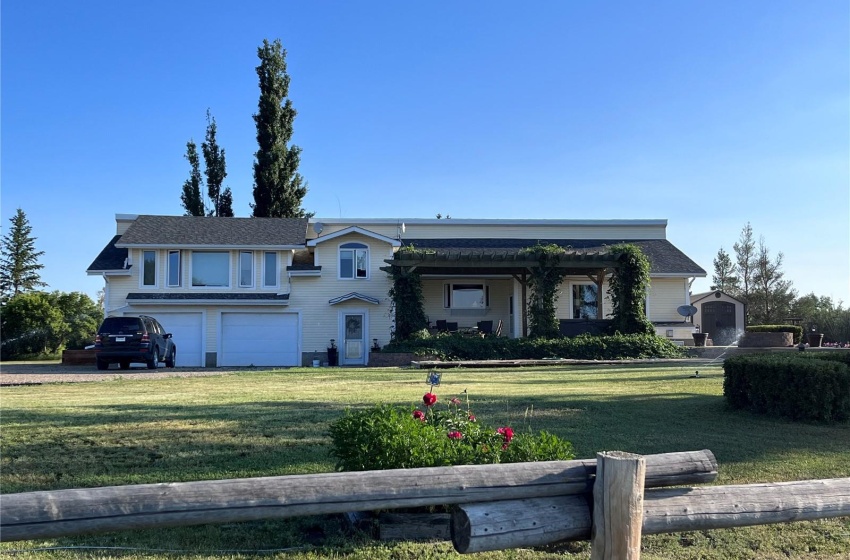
column 407, row 298
column 627, row 289
column 544, row 282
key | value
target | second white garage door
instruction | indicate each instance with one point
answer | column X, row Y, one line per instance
column 260, row 339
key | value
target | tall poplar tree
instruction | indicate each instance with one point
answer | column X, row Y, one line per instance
column 215, row 171
column 191, row 197
column 19, row 264
column 278, row 187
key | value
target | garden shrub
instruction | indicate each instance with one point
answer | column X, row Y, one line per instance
column 795, row 330
column 796, row 387
column 395, row 437
column 583, row 347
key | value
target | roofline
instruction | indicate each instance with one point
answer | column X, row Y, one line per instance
column 125, row 217
column 208, row 247
column 487, row 221
column 703, row 295
column 109, row 272
column 354, row 229
column 172, row 302
column 677, row 275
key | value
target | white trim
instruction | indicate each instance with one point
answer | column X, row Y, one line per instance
column 495, row 222
column 354, row 229
column 229, row 285
column 276, row 269
column 485, row 288
column 354, row 276
column 222, row 302
column 341, row 335
column 117, row 272
column 155, row 284
column 202, row 247
column 250, row 283
column 677, row 275
column 292, row 273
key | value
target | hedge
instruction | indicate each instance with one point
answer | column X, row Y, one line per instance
column 796, row 387
column 582, row 347
column 795, row 330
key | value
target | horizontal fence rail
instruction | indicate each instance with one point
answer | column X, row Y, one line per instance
column 46, row 514
column 542, row 521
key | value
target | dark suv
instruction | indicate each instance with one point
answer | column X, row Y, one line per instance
column 133, row 339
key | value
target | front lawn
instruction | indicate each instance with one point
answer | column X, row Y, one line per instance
column 268, row 423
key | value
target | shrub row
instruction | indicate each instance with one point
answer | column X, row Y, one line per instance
column 796, row 387
column 795, row 330
column 582, row 347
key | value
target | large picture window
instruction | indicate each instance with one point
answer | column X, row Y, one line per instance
column 246, row 269
column 585, row 301
column 211, row 269
column 148, row 268
column 353, row 260
column 466, row 296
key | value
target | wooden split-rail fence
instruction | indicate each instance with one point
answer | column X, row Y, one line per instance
column 612, row 501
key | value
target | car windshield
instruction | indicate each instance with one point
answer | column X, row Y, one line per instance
column 119, row 324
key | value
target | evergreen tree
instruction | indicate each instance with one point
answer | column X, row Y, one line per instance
column 771, row 295
column 215, row 171
column 19, row 264
column 724, row 273
column 191, row 197
column 745, row 256
column 278, row 187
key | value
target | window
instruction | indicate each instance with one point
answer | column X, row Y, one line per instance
column 270, row 270
column 466, row 296
column 585, row 301
column 211, row 269
column 246, row 269
column 174, row 268
column 353, row 260
column 148, row 268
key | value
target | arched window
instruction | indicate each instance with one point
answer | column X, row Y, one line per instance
column 353, row 260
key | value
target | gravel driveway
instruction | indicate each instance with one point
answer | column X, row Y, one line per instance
column 54, row 372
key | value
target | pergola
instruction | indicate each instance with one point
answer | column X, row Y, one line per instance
column 595, row 263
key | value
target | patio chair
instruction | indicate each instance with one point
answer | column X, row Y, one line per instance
column 441, row 325
column 451, row 327
column 485, row 327
column 498, row 329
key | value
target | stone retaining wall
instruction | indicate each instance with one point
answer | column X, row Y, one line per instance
column 766, row 340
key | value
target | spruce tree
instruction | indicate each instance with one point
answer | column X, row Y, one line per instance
column 191, row 197
column 724, row 273
column 278, row 187
column 19, row 264
column 215, row 171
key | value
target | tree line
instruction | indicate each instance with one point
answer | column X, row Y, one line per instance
column 754, row 276
column 35, row 322
column 278, row 187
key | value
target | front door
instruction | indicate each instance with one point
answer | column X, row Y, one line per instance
column 354, row 339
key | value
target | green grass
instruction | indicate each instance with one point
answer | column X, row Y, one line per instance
column 275, row 422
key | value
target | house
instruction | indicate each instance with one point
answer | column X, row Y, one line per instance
column 720, row 315
column 275, row 291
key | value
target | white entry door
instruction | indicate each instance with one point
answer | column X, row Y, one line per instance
column 353, row 339
column 259, row 339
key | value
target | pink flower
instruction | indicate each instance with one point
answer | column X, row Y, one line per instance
column 472, row 418
column 429, row 399
column 455, row 435
column 455, row 401
column 508, row 434
column 419, row 415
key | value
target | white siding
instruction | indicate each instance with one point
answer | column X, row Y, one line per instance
column 664, row 296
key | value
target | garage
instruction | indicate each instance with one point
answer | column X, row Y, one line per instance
column 188, row 334
column 260, row 339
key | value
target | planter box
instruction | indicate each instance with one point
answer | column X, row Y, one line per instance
column 78, row 357
column 766, row 340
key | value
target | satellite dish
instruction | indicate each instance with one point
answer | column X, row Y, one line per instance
column 318, row 227
column 687, row 310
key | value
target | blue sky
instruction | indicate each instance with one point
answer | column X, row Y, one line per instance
column 709, row 114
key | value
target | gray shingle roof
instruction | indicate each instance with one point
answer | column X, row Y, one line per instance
column 110, row 258
column 188, row 231
column 663, row 256
column 140, row 296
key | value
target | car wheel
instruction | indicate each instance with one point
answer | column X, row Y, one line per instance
column 154, row 361
column 169, row 361
column 101, row 364
column 124, row 364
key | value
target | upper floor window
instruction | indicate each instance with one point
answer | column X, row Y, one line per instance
column 211, row 269
column 270, row 272
column 353, row 260
column 148, row 268
column 174, row 268
column 585, row 301
column 246, row 269
column 466, row 296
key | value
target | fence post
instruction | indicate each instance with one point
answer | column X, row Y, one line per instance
column 617, row 506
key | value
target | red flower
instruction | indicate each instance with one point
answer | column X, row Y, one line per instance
column 508, row 434
column 472, row 418
column 419, row 415
column 429, row 399
column 455, row 401
column 455, row 435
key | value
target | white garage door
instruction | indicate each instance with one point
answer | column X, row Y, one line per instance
column 260, row 339
column 188, row 334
